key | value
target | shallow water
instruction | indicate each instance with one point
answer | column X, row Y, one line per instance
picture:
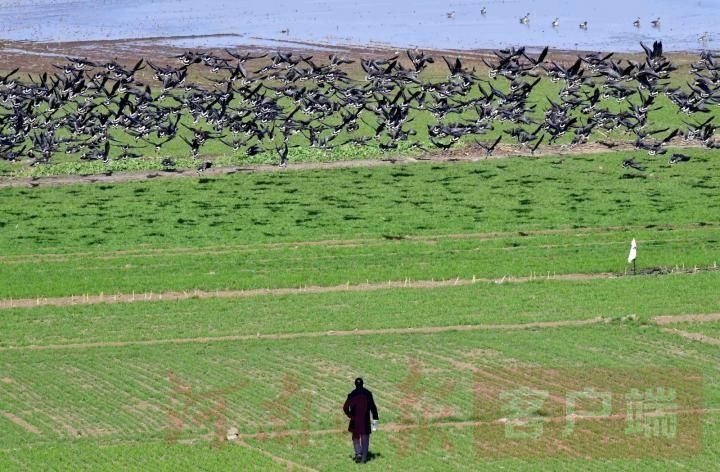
column 401, row 23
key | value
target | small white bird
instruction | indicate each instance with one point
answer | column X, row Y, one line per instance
column 636, row 23
column 705, row 37
column 451, row 14
column 525, row 19
column 583, row 25
column 656, row 22
column 483, row 10
column 556, row 22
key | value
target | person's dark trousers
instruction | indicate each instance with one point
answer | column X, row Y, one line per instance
column 361, row 442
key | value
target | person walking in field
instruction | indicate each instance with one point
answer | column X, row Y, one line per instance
column 358, row 407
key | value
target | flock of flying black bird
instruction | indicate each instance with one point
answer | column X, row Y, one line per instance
column 103, row 111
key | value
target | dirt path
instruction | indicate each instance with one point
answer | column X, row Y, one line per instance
column 280, row 460
column 690, row 318
column 699, row 337
column 665, row 319
column 241, row 438
column 20, row 422
column 697, row 318
column 458, row 155
column 168, row 296
column 397, row 427
column 307, row 335
column 88, row 299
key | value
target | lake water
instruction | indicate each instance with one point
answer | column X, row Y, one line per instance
column 401, row 23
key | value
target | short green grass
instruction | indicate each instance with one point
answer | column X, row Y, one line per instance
column 289, row 265
column 711, row 329
column 119, row 396
column 222, row 233
column 521, row 194
column 139, row 455
column 638, row 298
column 105, row 406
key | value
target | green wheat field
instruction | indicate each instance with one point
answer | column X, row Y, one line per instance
column 217, row 322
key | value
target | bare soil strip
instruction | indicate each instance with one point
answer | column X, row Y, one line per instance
column 167, row 296
column 665, row 319
column 88, row 299
column 38, row 56
column 690, row 318
column 304, row 335
column 20, row 422
column 699, row 337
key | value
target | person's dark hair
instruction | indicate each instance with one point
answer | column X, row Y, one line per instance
column 359, row 382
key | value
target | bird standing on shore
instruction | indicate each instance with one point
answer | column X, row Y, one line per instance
column 656, row 22
column 525, row 19
column 636, row 23
column 583, row 25
column 483, row 11
column 556, row 22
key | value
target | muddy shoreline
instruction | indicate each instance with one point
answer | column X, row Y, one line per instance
column 38, row 57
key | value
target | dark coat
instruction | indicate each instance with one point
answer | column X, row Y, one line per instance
column 358, row 407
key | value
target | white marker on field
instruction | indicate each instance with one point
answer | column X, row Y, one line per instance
column 633, row 254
